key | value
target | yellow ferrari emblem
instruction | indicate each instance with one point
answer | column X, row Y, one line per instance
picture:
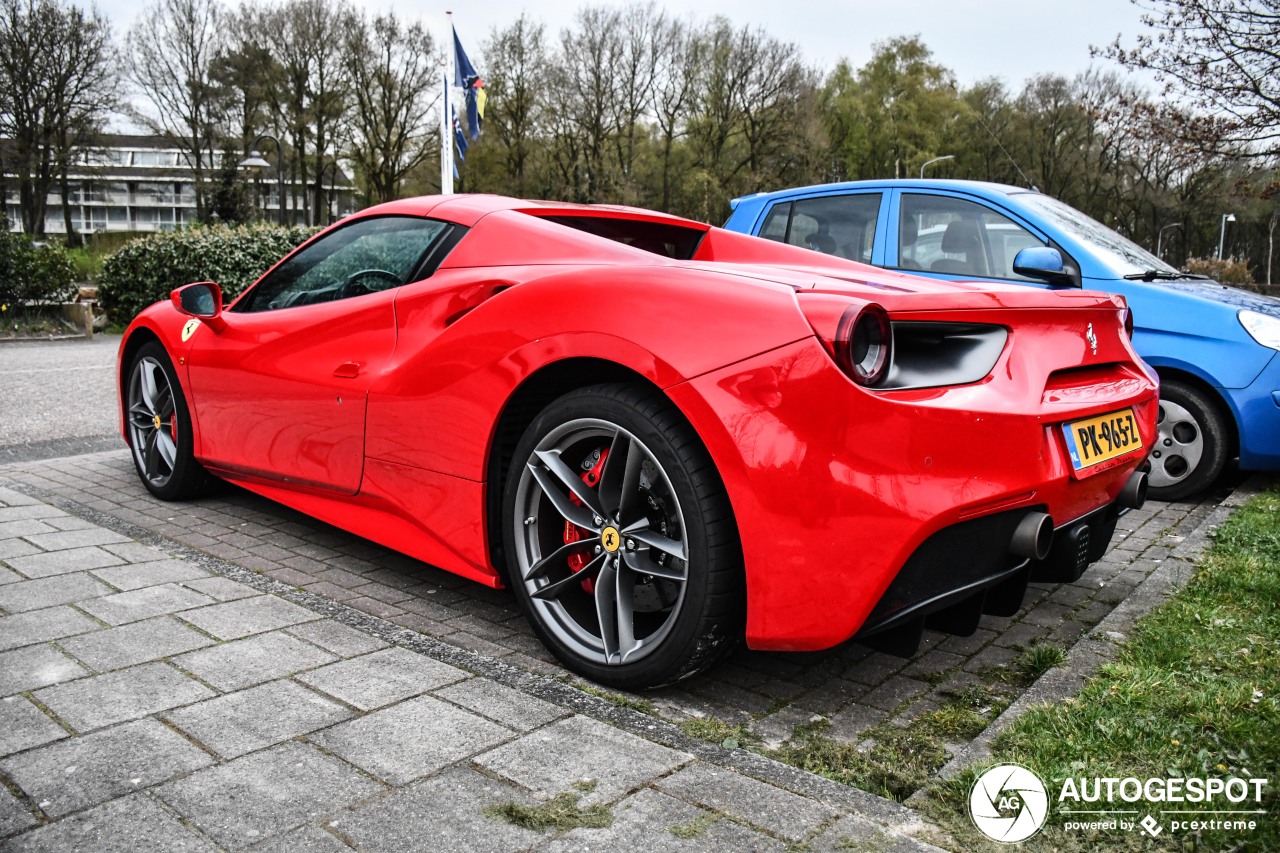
column 156, row 420
column 189, row 330
column 611, row 539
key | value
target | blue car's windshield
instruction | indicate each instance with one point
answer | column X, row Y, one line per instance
column 1124, row 255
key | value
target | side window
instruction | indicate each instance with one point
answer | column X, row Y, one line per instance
column 366, row 256
column 950, row 235
column 840, row 225
column 775, row 224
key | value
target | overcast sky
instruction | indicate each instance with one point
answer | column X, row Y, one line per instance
column 1009, row 39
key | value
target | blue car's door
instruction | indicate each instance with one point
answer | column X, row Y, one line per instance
column 955, row 236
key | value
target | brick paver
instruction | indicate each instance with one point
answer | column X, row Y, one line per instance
column 158, row 706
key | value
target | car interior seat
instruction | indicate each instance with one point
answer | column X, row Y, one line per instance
column 962, row 238
column 822, row 241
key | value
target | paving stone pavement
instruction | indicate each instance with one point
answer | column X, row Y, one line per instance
column 152, row 703
column 852, row 687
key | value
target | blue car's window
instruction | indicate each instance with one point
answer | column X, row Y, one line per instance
column 775, row 224
column 840, row 225
column 1126, row 256
column 366, row 256
column 939, row 233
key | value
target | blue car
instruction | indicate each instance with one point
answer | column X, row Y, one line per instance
column 1215, row 347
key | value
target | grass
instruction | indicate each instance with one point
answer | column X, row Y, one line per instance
column 1034, row 661
column 622, row 700
column 695, row 828
column 1193, row 693
column 87, row 262
column 31, row 321
column 561, row 812
column 718, row 731
column 895, row 761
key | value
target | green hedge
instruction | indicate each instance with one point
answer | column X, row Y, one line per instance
column 144, row 271
column 31, row 274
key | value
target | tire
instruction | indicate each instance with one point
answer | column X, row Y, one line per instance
column 1192, row 443
column 658, row 546
column 159, row 427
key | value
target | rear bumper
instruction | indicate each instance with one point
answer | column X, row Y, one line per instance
column 835, row 489
column 967, row 570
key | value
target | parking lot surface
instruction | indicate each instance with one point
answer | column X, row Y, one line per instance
column 227, row 672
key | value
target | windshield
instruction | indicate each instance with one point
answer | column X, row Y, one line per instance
column 1122, row 253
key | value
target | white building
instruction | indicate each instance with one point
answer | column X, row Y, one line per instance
column 143, row 183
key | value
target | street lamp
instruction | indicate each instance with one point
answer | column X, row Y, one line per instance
column 255, row 161
column 1222, row 235
column 928, row 163
column 1160, row 238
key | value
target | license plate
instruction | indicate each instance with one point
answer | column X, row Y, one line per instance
column 1097, row 439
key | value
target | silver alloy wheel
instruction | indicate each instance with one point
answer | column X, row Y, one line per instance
column 153, row 422
column 1179, row 445
column 627, row 594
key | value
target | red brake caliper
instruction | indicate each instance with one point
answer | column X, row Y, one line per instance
column 574, row 533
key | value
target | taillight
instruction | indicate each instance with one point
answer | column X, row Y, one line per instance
column 1128, row 322
column 864, row 344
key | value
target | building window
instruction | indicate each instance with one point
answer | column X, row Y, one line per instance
column 155, row 159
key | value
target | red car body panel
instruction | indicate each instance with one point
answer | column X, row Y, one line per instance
column 832, row 485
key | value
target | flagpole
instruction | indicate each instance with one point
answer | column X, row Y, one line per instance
column 446, row 124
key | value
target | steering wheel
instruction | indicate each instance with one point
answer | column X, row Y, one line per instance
column 349, row 287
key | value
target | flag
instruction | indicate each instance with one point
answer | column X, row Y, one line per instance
column 476, row 99
column 463, row 71
column 459, row 138
column 466, row 78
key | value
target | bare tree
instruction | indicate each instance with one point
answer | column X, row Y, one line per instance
column 638, row 55
column 676, row 82
column 587, row 92
column 56, row 90
column 301, row 44
column 394, row 92
column 518, row 68
column 171, row 51
column 1220, row 56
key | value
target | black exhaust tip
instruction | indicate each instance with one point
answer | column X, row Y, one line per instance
column 1134, row 493
column 1033, row 536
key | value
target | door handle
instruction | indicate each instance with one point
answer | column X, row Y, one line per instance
column 347, row 370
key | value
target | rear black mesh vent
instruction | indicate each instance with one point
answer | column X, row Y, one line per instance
column 961, row 556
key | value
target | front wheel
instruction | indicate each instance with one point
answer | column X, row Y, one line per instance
column 1191, row 443
column 159, row 426
column 621, row 546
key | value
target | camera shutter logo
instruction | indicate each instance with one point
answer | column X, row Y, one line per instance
column 1008, row 803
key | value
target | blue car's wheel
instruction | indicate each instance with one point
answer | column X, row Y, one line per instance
column 1191, row 443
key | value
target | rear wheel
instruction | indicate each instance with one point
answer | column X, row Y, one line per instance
column 159, row 426
column 1191, row 443
column 621, row 546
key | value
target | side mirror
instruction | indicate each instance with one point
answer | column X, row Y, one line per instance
column 1044, row 263
column 202, row 300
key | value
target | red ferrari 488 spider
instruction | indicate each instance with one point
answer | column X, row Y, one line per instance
column 664, row 437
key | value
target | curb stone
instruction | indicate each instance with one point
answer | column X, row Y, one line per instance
column 1098, row 646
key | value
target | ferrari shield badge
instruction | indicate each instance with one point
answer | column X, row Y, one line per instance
column 189, row 329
